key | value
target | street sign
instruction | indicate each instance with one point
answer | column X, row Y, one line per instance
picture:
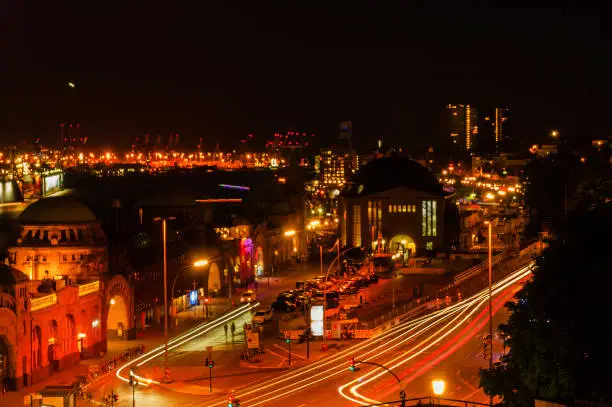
column 252, row 340
column 209, row 349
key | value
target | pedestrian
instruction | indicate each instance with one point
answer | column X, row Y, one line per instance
column 233, row 328
column 361, row 300
column 225, row 327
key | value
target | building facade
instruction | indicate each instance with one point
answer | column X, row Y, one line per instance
column 393, row 205
column 463, row 125
column 56, row 295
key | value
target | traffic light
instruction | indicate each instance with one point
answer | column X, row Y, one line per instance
column 230, row 400
column 352, row 366
column 206, row 300
column 211, row 364
column 206, row 361
column 288, row 340
column 115, row 398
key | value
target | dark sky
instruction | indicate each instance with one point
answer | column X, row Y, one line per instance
column 221, row 72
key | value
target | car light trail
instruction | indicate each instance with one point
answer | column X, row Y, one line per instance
column 432, row 339
column 374, row 348
column 178, row 341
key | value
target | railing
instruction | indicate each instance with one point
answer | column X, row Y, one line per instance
column 43, row 302
column 89, row 288
column 430, row 401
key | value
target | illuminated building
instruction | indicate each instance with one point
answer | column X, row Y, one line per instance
column 393, row 205
column 334, row 168
column 56, row 296
column 463, row 125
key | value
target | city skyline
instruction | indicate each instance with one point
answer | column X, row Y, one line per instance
column 227, row 78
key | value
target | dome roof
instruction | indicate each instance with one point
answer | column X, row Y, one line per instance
column 56, row 210
column 10, row 276
column 393, row 172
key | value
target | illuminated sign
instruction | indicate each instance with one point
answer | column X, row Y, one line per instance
column 193, row 297
column 316, row 320
column 239, row 187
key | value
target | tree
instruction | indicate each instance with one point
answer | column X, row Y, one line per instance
column 557, row 333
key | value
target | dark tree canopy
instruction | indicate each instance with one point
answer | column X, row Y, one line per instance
column 559, row 329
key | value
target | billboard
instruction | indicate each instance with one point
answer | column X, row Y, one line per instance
column 193, row 297
column 316, row 320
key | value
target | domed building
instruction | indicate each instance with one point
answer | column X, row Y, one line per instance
column 55, row 292
column 393, row 205
column 60, row 237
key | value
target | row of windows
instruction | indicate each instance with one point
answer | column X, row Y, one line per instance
column 43, row 258
column 402, row 208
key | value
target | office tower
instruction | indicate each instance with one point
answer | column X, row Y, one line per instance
column 463, row 125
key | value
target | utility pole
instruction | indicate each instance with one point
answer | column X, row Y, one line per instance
column 490, row 304
column 164, row 221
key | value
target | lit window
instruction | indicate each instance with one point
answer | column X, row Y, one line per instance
column 429, row 245
column 390, row 208
column 356, row 226
column 429, row 226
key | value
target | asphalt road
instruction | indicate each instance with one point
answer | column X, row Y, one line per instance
column 444, row 344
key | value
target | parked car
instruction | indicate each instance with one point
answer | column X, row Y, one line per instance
column 247, row 296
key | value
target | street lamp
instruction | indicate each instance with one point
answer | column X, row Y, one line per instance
column 554, row 133
column 134, row 384
column 164, row 221
column 438, row 386
column 337, row 259
column 196, row 264
column 489, row 224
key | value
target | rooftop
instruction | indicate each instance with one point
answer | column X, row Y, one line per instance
column 387, row 173
column 56, row 210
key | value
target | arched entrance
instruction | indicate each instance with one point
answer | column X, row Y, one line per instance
column 117, row 320
column 214, row 279
column 402, row 246
column 119, row 309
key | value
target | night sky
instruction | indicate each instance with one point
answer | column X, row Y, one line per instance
column 225, row 71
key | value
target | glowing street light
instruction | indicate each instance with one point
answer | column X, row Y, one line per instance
column 200, row 263
column 71, row 84
column 438, row 387
column 289, row 233
column 554, row 133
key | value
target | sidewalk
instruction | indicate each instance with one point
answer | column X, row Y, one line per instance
column 150, row 338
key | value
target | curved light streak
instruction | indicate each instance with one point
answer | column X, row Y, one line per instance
column 374, row 374
column 178, row 341
column 334, row 365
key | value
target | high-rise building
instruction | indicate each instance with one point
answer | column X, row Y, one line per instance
column 463, row 125
column 336, row 167
column 500, row 118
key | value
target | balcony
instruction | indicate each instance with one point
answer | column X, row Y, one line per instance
column 89, row 288
column 43, row 302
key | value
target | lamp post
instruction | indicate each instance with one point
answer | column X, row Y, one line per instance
column 489, row 224
column 164, row 221
column 337, row 259
column 438, row 388
column 134, row 384
column 196, row 264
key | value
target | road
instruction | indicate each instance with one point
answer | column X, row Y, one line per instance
column 410, row 349
column 445, row 343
